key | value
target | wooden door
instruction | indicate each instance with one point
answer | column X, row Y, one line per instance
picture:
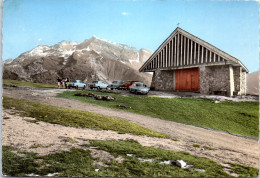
column 187, row 79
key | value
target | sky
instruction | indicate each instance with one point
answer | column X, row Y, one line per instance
column 231, row 26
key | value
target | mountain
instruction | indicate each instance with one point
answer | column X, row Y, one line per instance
column 252, row 83
column 93, row 59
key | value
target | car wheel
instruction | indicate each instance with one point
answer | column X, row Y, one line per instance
column 84, row 87
column 77, row 87
column 98, row 88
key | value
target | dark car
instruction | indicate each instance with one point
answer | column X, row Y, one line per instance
column 127, row 84
column 117, row 84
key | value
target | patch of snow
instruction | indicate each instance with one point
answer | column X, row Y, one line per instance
column 65, row 62
column 131, row 61
column 72, row 43
column 39, row 51
column 107, row 41
column 67, row 53
column 138, row 57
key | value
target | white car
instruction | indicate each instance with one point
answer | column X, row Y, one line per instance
column 98, row 84
column 77, row 84
column 139, row 87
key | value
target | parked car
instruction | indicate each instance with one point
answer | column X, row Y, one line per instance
column 117, row 84
column 98, row 84
column 76, row 84
column 139, row 87
column 127, row 84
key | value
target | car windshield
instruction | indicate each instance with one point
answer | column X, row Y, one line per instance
column 95, row 82
column 114, row 81
column 73, row 80
column 79, row 81
column 139, row 84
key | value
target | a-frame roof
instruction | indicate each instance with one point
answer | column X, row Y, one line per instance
column 224, row 56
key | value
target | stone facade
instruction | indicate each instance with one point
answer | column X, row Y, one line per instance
column 215, row 80
column 163, row 80
column 242, row 83
column 219, row 80
column 240, row 78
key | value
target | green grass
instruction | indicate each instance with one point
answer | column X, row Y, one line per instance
column 79, row 163
column 76, row 118
column 23, row 83
column 245, row 171
column 196, row 145
column 209, row 148
column 175, row 139
column 14, row 165
column 234, row 117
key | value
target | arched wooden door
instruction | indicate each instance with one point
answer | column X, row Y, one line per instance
column 187, row 79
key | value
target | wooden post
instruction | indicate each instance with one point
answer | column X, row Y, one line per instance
column 202, row 54
column 175, row 51
column 206, row 60
column 195, row 53
column 184, row 51
column 210, row 56
column 191, row 48
column 178, row 57
column 188, row 51
column 181, row 50
column 198, row 53
column 172, row 53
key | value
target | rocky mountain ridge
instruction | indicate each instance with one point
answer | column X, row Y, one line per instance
column 93, row 59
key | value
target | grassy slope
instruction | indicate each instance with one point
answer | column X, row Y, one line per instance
column 69, row 164
column 76, row 118
column 233, row 117
column 27, row 84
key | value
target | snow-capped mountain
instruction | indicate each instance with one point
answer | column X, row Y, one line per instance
column 93, row 59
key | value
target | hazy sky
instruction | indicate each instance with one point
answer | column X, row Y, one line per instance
column 231, row 26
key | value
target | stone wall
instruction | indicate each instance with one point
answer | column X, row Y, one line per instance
column 219, row 80
column 242, row 83
column 214, row 80
column 239, row 81
column 237, row 72
column 231, row 81
column 163, row 80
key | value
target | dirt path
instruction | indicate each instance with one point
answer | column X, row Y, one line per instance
column 229, row 148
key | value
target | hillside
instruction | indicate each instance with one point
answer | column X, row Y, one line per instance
column 252, row 83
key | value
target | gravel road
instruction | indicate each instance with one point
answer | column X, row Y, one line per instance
column 228, row 148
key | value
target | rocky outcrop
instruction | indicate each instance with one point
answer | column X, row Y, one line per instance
column 93, row 59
